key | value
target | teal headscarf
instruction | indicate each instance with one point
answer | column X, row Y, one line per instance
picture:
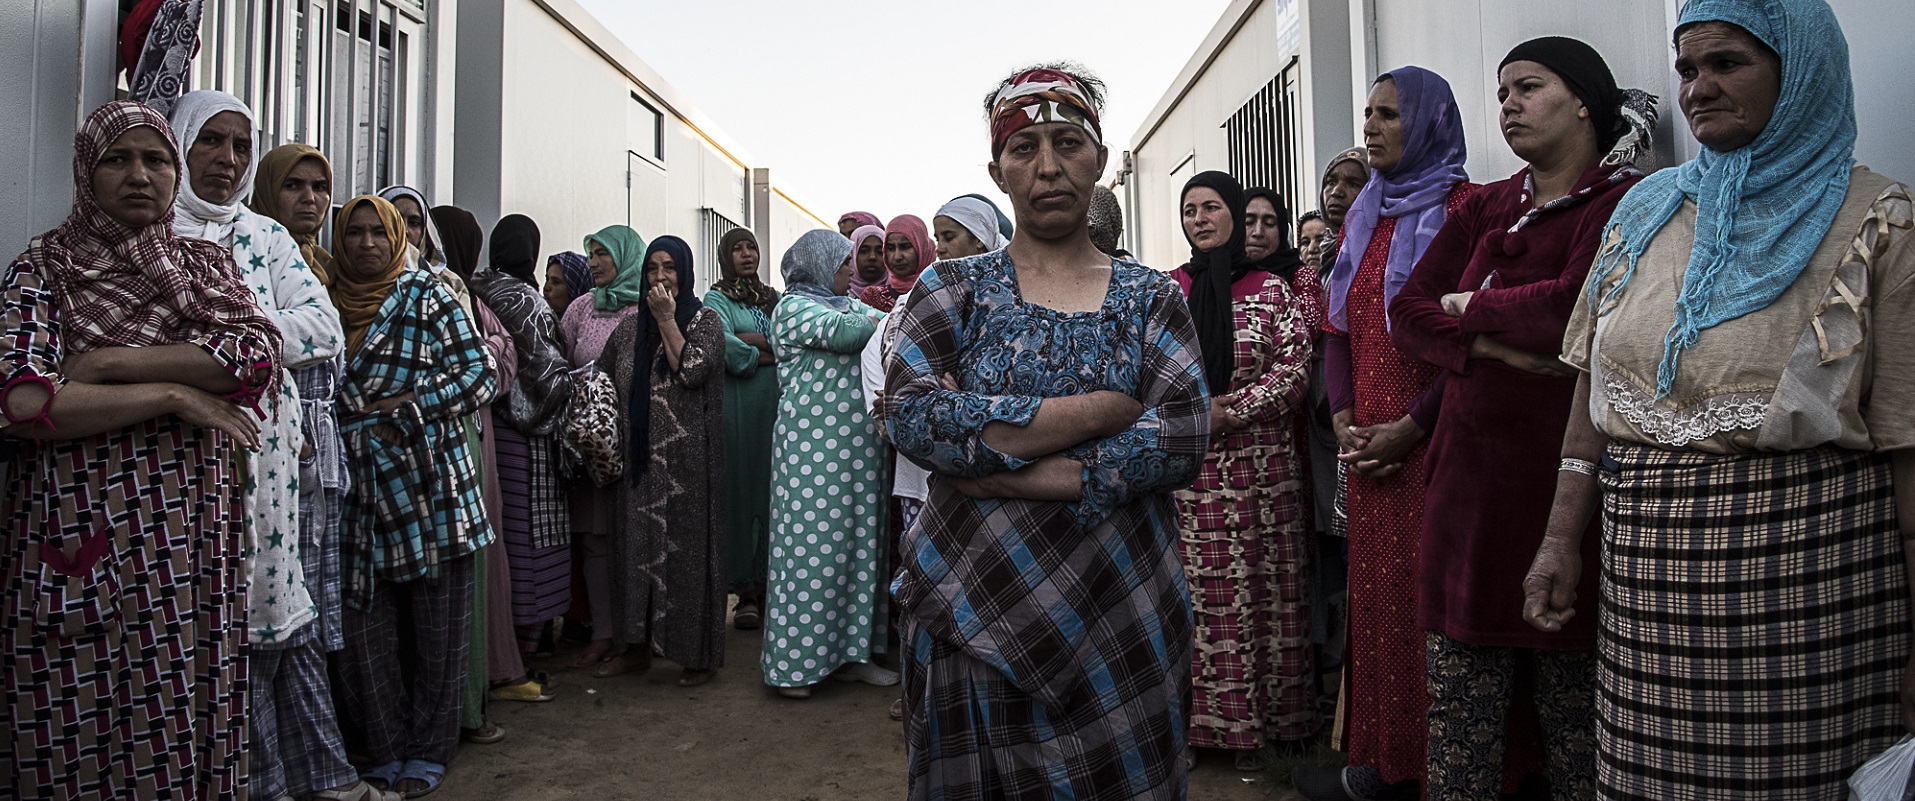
column 1762, row 209
column 628, row 252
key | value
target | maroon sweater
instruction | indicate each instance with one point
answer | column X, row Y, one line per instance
column 1493, row 457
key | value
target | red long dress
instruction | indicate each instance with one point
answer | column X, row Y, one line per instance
column 1246, row 552
column 1384, row 718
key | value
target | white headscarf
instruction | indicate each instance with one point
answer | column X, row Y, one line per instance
column 198, row 217
column 435, row 261
column 977, row 217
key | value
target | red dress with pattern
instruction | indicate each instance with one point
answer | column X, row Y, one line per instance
column 1245, row 539
column 1386, row 700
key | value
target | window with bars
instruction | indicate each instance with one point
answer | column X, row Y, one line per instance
column 345, row 76
column 712, row 227
column 1266, row 140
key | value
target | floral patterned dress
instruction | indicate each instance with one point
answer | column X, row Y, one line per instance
column 1047, row 644
column 1245, row 538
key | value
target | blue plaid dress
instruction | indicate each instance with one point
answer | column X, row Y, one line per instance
column 414, row 503
column 1047, row 645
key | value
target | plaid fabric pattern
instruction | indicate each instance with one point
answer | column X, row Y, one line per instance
column 1048, row 644
column 414, row 503
column 411, row 710
column 323, row 482
column 117, row 286
column 535, row 505
column 1754, row 623
column 296, row 747
column 1245, row 543
column 122, row 594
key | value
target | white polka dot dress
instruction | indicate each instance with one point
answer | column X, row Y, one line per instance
column 825, row 596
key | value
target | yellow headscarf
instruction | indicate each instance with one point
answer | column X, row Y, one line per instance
column 359, row 299
column 272, row 171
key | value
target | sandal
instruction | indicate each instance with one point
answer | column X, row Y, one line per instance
column 486, row 734
column 636, row 659
column 529, row 690
column 693, row 678
column 386, row 775
column 746, row 617
column 1248, row 762
column 593, row 654
column 359, row 791
column 897, row 710
column 419, row 770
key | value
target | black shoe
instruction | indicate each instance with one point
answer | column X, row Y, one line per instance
column 1319, row 783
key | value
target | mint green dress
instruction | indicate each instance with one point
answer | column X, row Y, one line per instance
column 751, row 408
column 825, row 594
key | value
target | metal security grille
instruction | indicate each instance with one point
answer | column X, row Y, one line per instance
column 1266, row 141
column 712, row 227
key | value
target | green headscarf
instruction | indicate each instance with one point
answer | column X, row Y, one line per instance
column 628, row 252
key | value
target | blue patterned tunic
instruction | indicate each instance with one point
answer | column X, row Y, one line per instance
column 1047, row 645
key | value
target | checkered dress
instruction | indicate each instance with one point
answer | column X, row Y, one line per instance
column 414, row 503
column 122, row 600
column 1047, row 645
column 1754, row 623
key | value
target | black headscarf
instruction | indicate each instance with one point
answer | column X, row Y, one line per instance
column 749, row 291
column 645, row 356
column 1587, row 76
column 463, row 239
column 1284, row 261
column 1211, row 274
column 515, row 248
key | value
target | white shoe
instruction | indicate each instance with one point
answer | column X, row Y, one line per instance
column 799, row 693
column 867, row 673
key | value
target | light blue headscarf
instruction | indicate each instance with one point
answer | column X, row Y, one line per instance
column 1761, row 210
column 811, row 263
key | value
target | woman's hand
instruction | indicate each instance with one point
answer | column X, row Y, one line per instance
column 663, row 305
column 1384, row 447
column 202, row 409
column 1343, row 424
column 751, row 338
column 1549, row 594
column 1485, row 346
column 1223, row 422
column 1455, row 303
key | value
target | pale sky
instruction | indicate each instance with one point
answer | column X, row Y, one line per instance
column 877, row 105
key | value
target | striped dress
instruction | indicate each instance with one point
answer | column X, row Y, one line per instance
column 1047, row 645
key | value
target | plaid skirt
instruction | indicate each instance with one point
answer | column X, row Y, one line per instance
column 1754, row 623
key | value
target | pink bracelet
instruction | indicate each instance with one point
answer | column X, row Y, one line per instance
column 250, row 394
column 42, row 418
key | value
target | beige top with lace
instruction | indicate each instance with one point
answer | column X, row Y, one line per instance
column 1831, row 361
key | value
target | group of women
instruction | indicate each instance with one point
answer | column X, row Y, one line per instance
column 1708, row 357
column 270, row 497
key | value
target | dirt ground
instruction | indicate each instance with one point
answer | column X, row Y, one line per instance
column 640, row 736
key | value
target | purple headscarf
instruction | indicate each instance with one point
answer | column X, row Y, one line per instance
column 578, row 274
column 1415, row 192
column 858, row 284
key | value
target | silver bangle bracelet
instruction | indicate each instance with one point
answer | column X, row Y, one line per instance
column 1583, row 466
